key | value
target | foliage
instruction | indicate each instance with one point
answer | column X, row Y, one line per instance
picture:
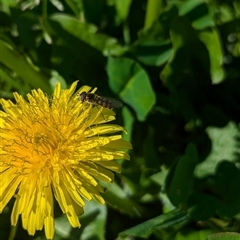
column 175, row 66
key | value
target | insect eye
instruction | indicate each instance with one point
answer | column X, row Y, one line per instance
column 82, row 96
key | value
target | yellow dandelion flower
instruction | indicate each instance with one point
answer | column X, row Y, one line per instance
column 55, row 147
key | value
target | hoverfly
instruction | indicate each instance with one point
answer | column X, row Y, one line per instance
column 96, row 100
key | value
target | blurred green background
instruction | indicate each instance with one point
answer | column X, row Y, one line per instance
column 176, row 67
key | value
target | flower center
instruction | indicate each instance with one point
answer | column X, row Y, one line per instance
column 42, row 143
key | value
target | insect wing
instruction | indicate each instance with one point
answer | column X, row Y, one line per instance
column 94, row 99
column 115, row 103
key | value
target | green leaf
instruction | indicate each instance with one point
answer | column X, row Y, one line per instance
column 197, row 12
column 226, row 199
column 119, row 71
column 92, row 221
column 211, row 39
column 23, row 67
column 160, row 177
column 29, row 29
column 191, row 151
column 130, row 80
column 94, row 11
column 6, row 5
column 228, row 190
column 202, row 206
column 187, row 73
column 118, row 199
column 63, row 227
column 153, row 53
column 76, row 6
column 57, row 4
column 13, row 82
column 139, row 85
column 181, row 32
column 122, row 9
column 154, row 8
column 128, row 123
column 154, row 46
column 57, row 78
column 87, row 33
column 159, row 31
column 224, row 236
column 150, row 152
column 223, row 147
column 213, row 115
column 180, row 177
column 73, row 57
column 5, row 218
column 193, row 235
column 189, row 6
column 165, row 223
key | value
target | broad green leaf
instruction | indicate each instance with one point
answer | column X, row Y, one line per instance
column 188, row 7
column 213, row 115
column 228, row 170
column 131, row 81
column 5, row 218
column 224, row 236
column 71, row 56
column 167, row 205
column 226, row 13
column 159, row 177
column 154, row 47
column 23, row 67
column 165, row 224
column 228, row 191
column 197, row 12
column 94, row 11
column 191, row 151
column 185, row 43
column 57, row 78
column 139, row 85
column 223, row 148
column 153, row 53
column 154, row 8
column 88, row 33
column 187, row 73
column 118, row 199
column 14, row 82
column 6, row 5
column 92, row 221
column 119, row 71
column 211, row 39
column 28, row 28
column 182, row 33
column 180, row 177
column 63, row 227
column 159, row 31
column 201, row 206
column 193, row 235
column 226, row 200
column 122, row 9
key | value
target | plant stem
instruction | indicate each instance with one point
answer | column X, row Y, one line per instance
column 12, row 232
column 44, row 9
